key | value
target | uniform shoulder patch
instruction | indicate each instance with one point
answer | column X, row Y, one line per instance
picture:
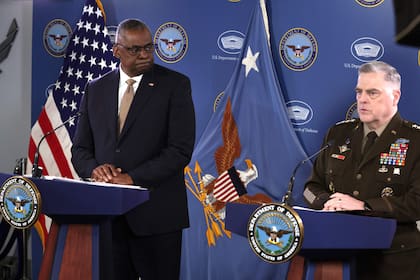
column 411, row 124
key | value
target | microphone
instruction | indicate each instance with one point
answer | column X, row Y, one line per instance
column 37, row 170
column 288, row 194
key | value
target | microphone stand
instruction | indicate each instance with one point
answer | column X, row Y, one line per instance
column 290, row 186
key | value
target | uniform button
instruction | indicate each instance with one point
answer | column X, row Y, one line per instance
column 358, row 176
column 356, row 193
column 388, row 179
column 402, row 246
column 117, row 150
column 330, row 171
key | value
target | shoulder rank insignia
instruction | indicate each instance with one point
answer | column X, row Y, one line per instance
column 346, row 121
column 415, row 126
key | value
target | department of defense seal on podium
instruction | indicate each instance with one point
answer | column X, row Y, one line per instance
column 20, row 202
column 275, row 232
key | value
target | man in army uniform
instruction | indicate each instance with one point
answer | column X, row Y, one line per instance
column 381, row 176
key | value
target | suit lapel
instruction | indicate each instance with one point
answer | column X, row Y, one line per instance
column 111, row 101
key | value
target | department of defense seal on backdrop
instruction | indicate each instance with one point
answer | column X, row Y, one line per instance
column 275, row 232
column 20, row 202
column 171, row 42
column 352, row 112
column 56, row 37
column 298, row 49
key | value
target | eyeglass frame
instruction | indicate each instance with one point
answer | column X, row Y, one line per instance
column 134, row 50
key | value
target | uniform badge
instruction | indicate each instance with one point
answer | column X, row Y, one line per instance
column 343, row 148
column 383, row 169
column 397, row 153
column 397, row 171
column 331, row 186
column 387, row 192
column 340, row 157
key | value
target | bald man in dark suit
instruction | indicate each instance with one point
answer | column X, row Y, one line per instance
column 150, row 149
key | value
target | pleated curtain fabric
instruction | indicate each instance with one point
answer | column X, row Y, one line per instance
column 126, row 103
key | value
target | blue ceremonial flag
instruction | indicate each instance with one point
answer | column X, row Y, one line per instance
column 246, row 154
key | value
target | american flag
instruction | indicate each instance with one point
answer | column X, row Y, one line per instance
column 228, row 186
column 88, row 56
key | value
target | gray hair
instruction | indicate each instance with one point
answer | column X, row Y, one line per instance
column 391, row 74
column 130, row 24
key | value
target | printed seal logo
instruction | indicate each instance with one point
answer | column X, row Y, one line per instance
column 275, row 232
column 57, row 35
column 299, row 112
column 231, row 41
column 367, row 49
column 352, row 112
column 20, row 202
column 369, row 3
column 171, row 42
column 298, row 49
column 112, row 30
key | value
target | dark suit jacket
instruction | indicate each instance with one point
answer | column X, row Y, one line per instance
column 155, row 144
column 391, row 188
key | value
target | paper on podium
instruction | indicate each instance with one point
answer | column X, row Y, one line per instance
column 91, row 182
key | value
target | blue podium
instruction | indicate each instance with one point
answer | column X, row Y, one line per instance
column 331, row 239
column 78, row 209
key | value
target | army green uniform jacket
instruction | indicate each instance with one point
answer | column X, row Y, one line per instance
column 387, row 178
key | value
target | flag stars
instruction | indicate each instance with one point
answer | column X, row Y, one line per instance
column 76, row 90
column 89, row 76
column 82, row 58
column 79, row 24
column 103, row 64
column 73, row 56
column 113, row 65
column 250, row 61
column 57, row 85
column 79, row 74
column 95, row 45
column 92, row 61
column 63, row 103
column 105, row 31
column 73, row 105
column 66, row 87
column 88, row 26
column 71, row 121
column 89, row 10
column 85, row 42
column 69, row 72
column 98, row 13
column 104, row 47
column 97, row 29
column 76, row 40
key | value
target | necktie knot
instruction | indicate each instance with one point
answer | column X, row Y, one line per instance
column 371, row 137
column 130, row 82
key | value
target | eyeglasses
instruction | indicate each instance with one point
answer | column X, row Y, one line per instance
column 134, row 50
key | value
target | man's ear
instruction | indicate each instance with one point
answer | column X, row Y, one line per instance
column 115, row 51
column 396, row 93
